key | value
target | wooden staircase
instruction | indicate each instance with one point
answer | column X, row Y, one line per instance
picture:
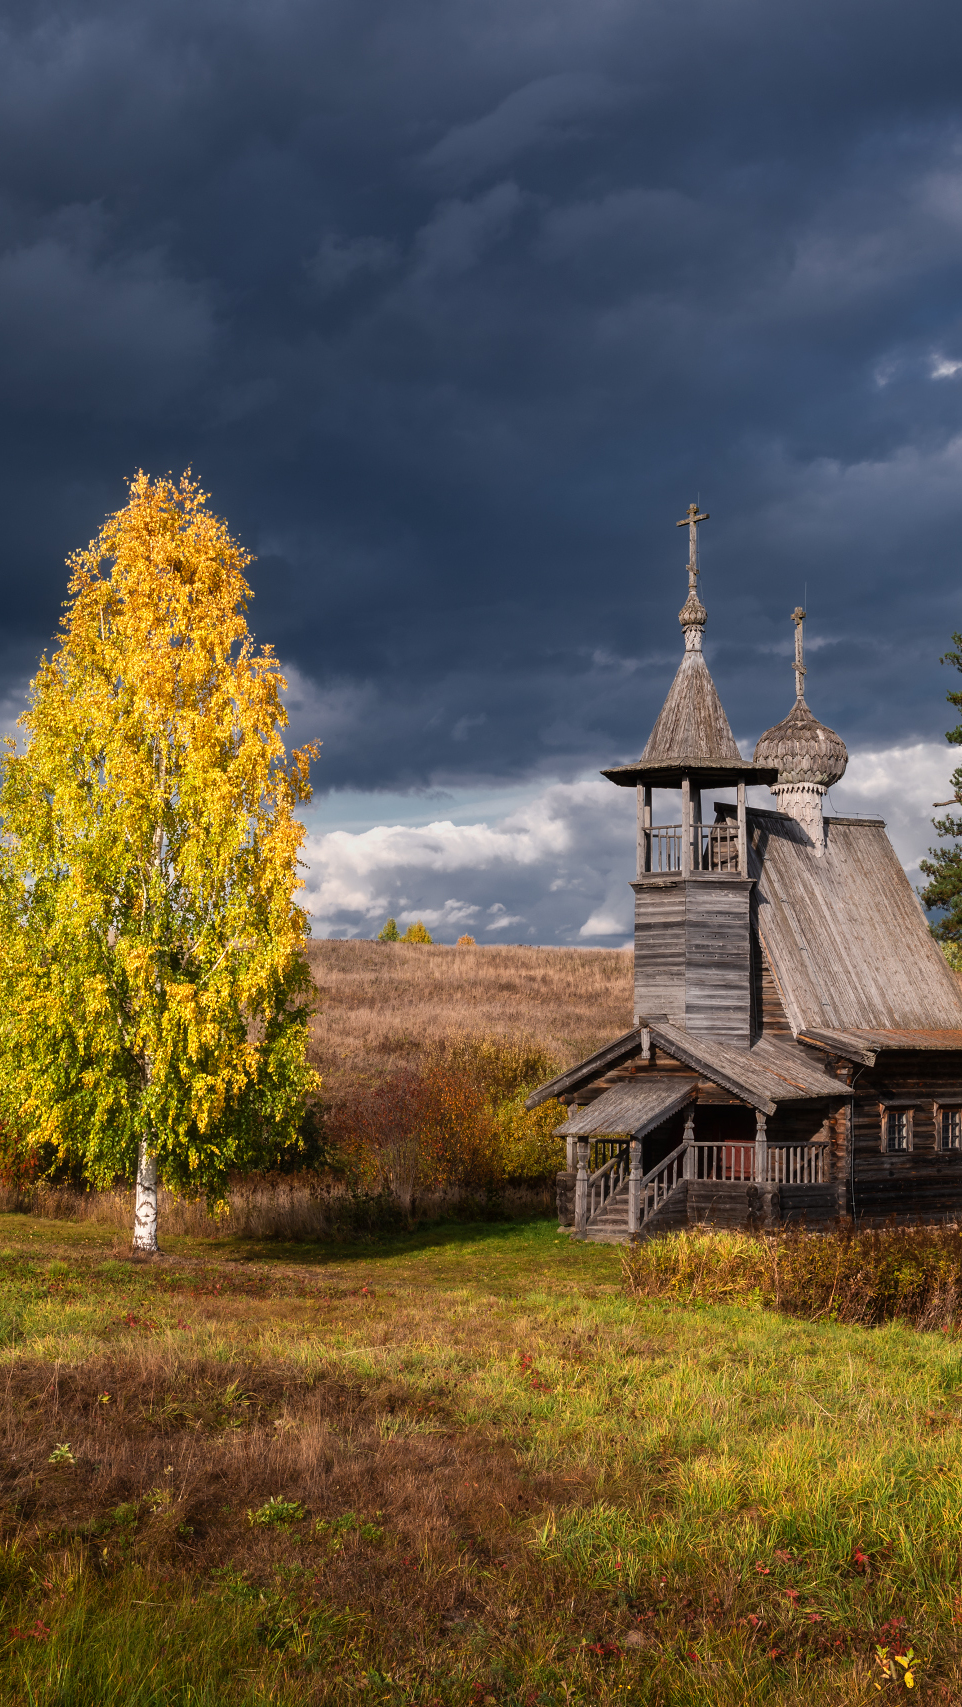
column 609, row 1224
column 722, row 1184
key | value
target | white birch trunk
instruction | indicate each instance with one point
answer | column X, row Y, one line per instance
column 145, row 1202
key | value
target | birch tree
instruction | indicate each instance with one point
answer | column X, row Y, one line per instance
column 153, row 986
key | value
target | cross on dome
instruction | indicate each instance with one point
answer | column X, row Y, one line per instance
column 691, row 523
column 798, row 617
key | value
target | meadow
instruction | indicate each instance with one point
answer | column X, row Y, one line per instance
column 459, row 1466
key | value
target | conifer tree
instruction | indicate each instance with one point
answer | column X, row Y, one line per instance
column 944, row 868
column 153, row 986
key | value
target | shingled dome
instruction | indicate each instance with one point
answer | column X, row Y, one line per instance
column 803, row 750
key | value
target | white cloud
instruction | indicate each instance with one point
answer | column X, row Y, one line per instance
column 943, row 368
column 901, row 785
column 602, row 924
column 557, row 867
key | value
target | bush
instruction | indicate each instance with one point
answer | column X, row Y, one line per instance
column 457, row 1119
column 466, row 942
column 910, row 1274
column 390, row 933
column 19, row 1163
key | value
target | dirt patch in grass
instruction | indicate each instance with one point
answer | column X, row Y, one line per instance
column 367, row 1483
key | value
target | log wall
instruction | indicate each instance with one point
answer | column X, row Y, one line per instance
column 693, row 954
column 920, row 1184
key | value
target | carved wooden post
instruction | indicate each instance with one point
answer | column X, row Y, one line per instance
column 685, row 826
column 688, row 1160
column 634, row 1189
column 761, row 1148
column 572, row 1159
column 696, row 856
column 644, row 830
column 581, row 1189
column 646, row 814
column 742, row 833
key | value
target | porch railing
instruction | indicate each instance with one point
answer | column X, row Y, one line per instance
column 738, row 1164
column 797, row 1164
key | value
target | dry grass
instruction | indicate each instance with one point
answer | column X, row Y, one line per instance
column 892, row 1274
column 508, row 1486
column 292, row 1207
column 381, row 1005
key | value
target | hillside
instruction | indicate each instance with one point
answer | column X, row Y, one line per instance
column 381, row 1003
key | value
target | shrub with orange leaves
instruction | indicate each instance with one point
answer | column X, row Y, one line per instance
column 458, row 1119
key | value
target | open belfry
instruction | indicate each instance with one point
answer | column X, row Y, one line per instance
column 797, row 1045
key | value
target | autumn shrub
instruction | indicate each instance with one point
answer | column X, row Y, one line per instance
column 19, row 1162
column 910, row 1274
column 456, row 1118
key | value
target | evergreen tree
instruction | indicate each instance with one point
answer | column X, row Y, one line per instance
column 944, row 868
column 390, row 933
column 153, row 985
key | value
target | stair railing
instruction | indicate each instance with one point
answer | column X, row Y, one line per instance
column 604, row 1182
column 728, row 1164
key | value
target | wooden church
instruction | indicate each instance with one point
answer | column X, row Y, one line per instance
column 797, row 1044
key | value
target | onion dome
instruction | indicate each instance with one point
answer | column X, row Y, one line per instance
column 803, row 750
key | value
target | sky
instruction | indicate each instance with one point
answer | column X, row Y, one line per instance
column 454, row 306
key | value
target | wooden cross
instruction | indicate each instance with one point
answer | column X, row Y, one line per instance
column 691, row 523
column 798, row 617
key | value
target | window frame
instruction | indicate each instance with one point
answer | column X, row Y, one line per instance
column 943, row 1108
column 907, row 1112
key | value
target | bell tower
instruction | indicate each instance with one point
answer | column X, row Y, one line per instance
column 692, row 888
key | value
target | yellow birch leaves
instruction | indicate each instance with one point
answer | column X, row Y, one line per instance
column 152, row 977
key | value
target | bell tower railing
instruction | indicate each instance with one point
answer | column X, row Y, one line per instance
column 691, row 845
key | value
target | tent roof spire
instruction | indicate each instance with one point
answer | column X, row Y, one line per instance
column 692, row 736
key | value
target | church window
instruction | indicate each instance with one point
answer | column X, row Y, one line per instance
column 896, row 1130
column 950, row 1128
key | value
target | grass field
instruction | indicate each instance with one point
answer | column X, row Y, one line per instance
column 459, row 1467
column 382, row 1004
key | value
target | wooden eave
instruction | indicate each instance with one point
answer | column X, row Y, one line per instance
column 702, row 772
column 772, row 1072
column 865, row 1046
column 591, row 1068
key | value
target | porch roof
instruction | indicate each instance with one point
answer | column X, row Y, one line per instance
column 634, row 1107
column 773, row 1071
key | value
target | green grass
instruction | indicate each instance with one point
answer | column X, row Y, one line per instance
column 495, row 1478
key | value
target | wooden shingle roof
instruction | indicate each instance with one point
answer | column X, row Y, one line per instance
column 635, row 1107
column 845, row 934
column 691, row 735
column 773, row 1071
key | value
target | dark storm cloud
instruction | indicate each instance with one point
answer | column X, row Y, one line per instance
column 454, row 308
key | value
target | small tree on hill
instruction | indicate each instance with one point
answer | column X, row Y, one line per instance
column 944, row 869
column 417, row 933
column 153, row 985
column 390, row 933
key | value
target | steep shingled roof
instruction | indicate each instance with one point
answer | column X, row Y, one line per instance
column 844, row 933
column 692, row 727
